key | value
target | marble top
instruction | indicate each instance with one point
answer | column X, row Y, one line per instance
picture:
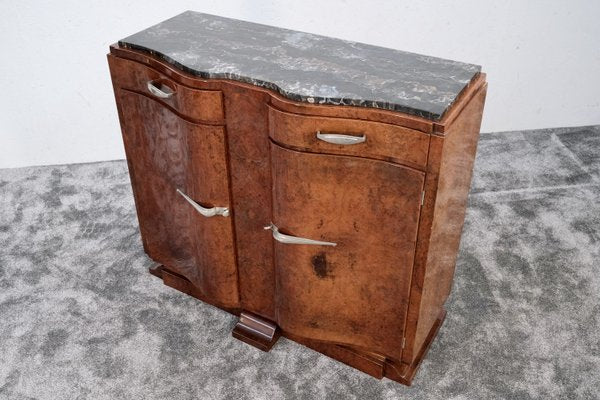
column 306, row 67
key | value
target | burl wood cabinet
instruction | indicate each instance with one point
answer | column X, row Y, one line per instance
column 314, row 187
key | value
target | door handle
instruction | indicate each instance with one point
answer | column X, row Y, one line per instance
column 282, row 238
column 159, row 92
column 207, row 212
column 337, row 138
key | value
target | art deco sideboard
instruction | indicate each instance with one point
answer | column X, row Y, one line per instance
column 313, row 186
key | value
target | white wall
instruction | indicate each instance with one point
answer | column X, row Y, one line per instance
column 57, row 106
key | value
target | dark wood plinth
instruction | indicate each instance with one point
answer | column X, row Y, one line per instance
column 256, row 331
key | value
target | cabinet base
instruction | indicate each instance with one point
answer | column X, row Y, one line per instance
column 405, row 373
column 256, row 331
column 376, row 365
column 263, row 334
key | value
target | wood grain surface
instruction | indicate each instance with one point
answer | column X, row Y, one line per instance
column 394, row 205
column 166, row 153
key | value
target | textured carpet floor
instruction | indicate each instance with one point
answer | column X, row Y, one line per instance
column 80, row 317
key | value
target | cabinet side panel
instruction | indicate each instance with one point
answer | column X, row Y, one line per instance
column 458, row 157
column 115, row 73
column 248, row 143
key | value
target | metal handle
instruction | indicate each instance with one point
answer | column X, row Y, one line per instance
column 337, row 138
column 280, row 237
column 159, row 92
column 207, row 212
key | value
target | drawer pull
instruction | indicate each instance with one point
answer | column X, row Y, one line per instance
column 336, row 138
column 280, row 237
column 159, row 92
column 207, row 212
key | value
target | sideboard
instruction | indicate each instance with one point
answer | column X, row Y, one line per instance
column 315, row 187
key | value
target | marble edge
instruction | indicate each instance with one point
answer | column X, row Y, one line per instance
column 376, row 104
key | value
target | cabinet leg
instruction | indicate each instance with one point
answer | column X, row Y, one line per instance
column 256, row 331
column 156, row 271
column 404, row 373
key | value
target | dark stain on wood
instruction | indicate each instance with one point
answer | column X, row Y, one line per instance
column 319, row 263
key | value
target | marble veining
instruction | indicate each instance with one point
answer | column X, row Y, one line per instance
column 306, row 67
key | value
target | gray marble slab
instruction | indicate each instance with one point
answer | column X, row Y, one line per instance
column 306, row 67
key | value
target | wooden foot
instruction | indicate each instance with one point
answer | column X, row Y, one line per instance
column 404, row 373
column 156, row 271
column 256, row 331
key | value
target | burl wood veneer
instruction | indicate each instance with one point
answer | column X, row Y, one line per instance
column 310, row 203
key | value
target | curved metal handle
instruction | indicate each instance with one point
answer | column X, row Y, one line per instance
column 159, row 92
column 280, row 237
column 337, row 138
column 207, row 212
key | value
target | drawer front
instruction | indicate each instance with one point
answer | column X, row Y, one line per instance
column 199, row 105
column 358, row 138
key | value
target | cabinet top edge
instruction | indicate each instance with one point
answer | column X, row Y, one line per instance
column 305, row 67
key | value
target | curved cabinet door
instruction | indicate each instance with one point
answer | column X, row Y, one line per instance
column 354, row 293
column 166, row 153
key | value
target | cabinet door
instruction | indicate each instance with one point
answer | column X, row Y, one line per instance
column 168, row 158
column 355, row 292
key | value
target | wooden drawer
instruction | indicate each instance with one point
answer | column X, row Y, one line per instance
column 381, row 141
column 195, row 104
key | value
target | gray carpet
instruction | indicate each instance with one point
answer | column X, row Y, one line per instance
column 80, row 317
